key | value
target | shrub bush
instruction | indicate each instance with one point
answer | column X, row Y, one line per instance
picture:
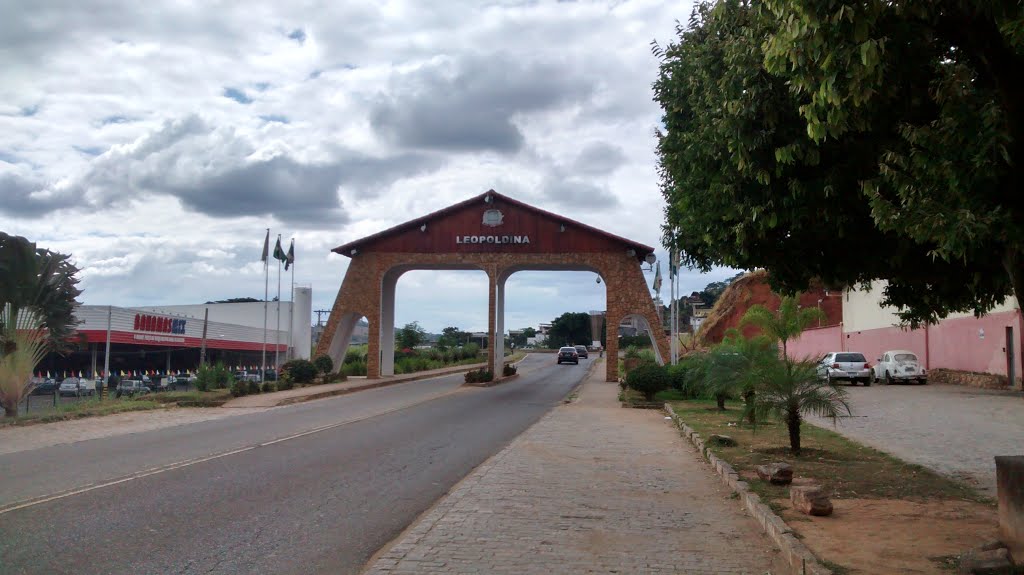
column 323, row 363
column 508, row 370
column 284, row 381
column 632, row 352
column 357, row 367
column 239, row 388
column 634, row 341
column 334, row 377
column 479, row 376
column 268, row 387
column 300, row 370
column 648, row 379
column 213, row 377
column 254, row 387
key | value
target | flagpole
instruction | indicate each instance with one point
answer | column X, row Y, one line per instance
column 266, row 296
column 277, row 346
column 291, row 308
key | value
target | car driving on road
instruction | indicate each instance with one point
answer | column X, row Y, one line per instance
column 899, row 365
column 848, row 366
column 581, row 350
column 568, row 355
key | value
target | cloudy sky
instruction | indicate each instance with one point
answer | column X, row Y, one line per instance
column 156, row 141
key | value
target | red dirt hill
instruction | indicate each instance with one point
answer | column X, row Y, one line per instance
column 751, row 289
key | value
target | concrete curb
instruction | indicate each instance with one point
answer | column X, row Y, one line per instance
column 799, row 557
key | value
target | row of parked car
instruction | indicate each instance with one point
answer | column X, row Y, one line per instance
column 894, row 366
column 87, row 387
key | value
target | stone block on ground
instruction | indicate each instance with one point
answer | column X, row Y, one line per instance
column 810, row 500
column 995, row 562
column 776, row 473
column 721, row 441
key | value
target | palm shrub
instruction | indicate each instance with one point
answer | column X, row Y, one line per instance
column 648, row 379
column 323, row 363
column 730, row 368
column 284, row 381
column 788, row 390
column 239, row 388
column 37, row 297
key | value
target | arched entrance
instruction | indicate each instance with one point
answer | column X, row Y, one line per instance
column 499, row 236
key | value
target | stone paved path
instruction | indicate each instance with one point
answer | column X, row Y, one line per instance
column 952, row 429
column 591, row 488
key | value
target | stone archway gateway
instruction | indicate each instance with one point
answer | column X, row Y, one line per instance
column 499, row 236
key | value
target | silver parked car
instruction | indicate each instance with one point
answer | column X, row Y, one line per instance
column 848, row 366
column 899, row 365
column 77, row 387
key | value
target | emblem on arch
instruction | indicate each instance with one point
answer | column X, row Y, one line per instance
column 493, row 218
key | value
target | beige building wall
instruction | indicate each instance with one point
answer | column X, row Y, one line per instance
column 862, row 310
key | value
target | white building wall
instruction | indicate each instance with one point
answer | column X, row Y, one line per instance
column 302, row 329
column 862, row 310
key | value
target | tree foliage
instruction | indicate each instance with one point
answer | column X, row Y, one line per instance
column 570, row 329
column 452, row 337
column 848, row 142
column 785, row 324
column 38, row 291
column 410, row 336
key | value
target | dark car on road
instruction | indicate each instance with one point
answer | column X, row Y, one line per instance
column 568, row 355
column 581, row 350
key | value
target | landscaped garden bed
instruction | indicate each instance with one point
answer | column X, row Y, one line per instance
column 889, row 516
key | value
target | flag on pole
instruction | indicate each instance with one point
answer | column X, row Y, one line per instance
column 290, row 258
column 266, row 247
column 657, row 279
column 673, row 263
column 279, row 254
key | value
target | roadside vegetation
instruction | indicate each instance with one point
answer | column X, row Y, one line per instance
column 410, row 360
column 85, row 408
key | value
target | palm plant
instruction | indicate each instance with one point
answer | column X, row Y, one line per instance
column 37, row 300
column 789, row 390
column 785, row 324
column 732, row 368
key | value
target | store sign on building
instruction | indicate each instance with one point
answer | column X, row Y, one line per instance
column 145, row 322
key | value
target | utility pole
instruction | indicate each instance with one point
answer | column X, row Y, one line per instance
column 318, row 313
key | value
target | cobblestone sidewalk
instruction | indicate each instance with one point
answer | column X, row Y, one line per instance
column 591, row 488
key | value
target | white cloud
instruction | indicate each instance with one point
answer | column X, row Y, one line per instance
column 157, row 142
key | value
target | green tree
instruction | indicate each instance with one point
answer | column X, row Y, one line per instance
column 410, row 335
column 37, row 298
column 889, row 134
column 452, row 337
column 731, row 368
column 570, row 329
column 785, row 324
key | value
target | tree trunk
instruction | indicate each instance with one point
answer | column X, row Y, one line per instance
column 748, row 397
column 793, row 423
column 720, row 399
column 10, row 409
column 1015, row 268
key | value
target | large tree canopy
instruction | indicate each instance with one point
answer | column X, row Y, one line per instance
column 850, row 141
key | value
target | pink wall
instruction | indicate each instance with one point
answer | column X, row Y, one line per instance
column 874, row 342
column 956, row 344
column 814, row 343
column 950, row 344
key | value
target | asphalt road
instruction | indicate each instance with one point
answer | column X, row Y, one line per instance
column 314, row 488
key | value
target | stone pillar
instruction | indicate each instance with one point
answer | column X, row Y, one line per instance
column 387, row 324
column 498, row 337
column 492, row 314
column 1010, row 492
column 611, row 349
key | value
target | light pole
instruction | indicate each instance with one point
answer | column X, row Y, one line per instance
column 819, row 310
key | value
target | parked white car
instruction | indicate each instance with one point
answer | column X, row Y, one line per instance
column 900, row 365
column 76, row 386
column 848, row 366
